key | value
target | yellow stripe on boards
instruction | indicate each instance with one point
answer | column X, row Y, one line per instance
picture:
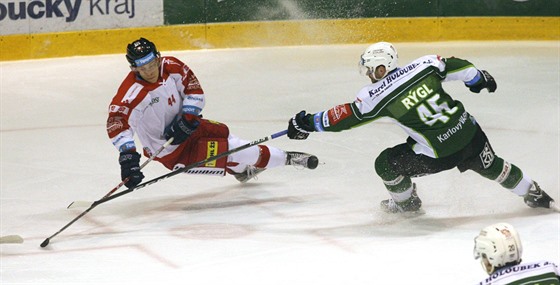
column 281, row 33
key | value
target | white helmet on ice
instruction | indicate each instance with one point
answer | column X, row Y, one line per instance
column 381, row 53
column 497, row 245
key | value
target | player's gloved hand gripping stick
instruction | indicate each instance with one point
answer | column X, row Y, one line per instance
column 157, row 179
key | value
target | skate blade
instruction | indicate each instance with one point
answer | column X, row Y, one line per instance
column 420, row 212
column 410, row 214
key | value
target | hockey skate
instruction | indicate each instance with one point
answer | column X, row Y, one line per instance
column 302, row 159
column 537, row 198
column 249, row 173
column 412, row 204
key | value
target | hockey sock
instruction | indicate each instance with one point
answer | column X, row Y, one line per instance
column 264, row 157
column 270, row 157
column 400, row 189
column 508, row 175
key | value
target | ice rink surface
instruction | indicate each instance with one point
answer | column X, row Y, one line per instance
column 291, row 226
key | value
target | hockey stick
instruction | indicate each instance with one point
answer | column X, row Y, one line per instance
column 82, row 204
column 11, row 239
column 168, row 175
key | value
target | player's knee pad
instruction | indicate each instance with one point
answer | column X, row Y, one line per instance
column 383, row 167
column 393, row 180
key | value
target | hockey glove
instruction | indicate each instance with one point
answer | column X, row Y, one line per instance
column 130, row 167
column 486, row 81
column 300, row 126
column 181, row 128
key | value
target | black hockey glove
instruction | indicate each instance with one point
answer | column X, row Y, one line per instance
column 130, row 167
column 300, row 126
column 486, row 81
column 181, row 129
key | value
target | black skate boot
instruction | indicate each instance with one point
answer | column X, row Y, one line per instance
column 302, row 159
column 537, row 198
column 249, row 173
column 412, row 204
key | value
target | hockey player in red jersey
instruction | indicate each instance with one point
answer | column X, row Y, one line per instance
column 161, row 98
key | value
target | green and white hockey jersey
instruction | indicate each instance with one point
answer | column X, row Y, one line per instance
column 413, row 97
column 536, row 273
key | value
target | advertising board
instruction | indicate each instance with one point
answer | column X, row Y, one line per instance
column 44, row 16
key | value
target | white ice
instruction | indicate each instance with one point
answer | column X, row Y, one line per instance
column 291, row 226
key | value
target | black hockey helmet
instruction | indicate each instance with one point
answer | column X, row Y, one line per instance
column 140, row 52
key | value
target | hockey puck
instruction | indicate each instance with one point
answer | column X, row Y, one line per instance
column 312, row 162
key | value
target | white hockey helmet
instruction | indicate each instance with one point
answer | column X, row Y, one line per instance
column 381, row 53
column 497, row 245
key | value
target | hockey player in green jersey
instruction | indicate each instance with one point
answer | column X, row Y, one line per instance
column 442, row 134
column 499, row 249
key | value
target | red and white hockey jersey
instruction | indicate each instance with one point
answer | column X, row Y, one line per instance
column 146, row 109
